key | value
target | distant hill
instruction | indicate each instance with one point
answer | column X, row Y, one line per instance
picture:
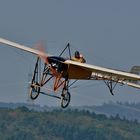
column 129, row 111
column 24, row 124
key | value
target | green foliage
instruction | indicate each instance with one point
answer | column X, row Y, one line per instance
column 23, row 124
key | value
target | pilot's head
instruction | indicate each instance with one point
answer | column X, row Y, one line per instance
column 77, row 54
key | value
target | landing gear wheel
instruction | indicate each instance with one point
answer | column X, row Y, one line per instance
column 65, row 98
column 34, row 91
column 35, row 86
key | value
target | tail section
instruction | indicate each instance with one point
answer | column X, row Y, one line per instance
column 135, row 70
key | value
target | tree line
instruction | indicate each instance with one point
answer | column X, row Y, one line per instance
column 24, row 124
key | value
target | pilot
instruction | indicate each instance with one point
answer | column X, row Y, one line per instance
column 78, row 57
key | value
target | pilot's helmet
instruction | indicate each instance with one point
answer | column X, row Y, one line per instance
column 77, row 54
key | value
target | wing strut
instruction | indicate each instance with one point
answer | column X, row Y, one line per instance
column 111, row 85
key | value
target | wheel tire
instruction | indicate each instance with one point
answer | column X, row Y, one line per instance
column 34, row 91
column 65, row 99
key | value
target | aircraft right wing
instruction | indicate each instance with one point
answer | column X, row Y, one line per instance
column 102, row 73
column 105, row 71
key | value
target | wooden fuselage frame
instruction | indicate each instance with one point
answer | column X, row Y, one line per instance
column 77, row 72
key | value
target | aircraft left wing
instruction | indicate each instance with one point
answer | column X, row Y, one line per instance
column 106, row 73
column 22, row 47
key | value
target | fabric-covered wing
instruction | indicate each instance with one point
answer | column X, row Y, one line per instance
column 106, row 72
column 22, row 47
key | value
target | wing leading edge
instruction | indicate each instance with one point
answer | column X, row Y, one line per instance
column 22, row 47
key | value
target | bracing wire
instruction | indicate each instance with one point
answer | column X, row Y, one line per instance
column 86, row 84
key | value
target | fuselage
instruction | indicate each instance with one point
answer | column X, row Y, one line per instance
column 68, row 71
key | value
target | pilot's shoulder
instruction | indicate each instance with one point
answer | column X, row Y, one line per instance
column 74, row 59
column 82, row 60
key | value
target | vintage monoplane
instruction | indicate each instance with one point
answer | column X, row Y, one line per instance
column 62, row 70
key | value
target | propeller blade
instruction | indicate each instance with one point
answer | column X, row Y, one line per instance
column 40, row 46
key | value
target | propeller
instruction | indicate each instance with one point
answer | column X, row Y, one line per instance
column 44, row 57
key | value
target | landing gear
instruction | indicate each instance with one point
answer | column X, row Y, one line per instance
column 34, row 91
column 50, row 73
column 35, row 86
column 65, row 98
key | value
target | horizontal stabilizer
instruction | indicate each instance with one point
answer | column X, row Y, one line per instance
column 135, row 70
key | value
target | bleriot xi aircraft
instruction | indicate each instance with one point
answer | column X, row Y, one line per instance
column 61, row 71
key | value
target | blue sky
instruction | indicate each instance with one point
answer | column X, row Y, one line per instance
column 107, row 32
